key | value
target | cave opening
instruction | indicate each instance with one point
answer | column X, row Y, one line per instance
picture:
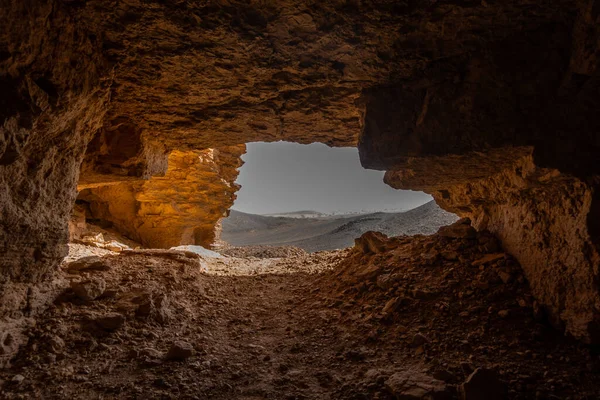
column 316, row 198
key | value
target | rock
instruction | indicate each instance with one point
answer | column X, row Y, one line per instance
column 89, row 290
column 430, row 257
column 504, row 275
column 375, row 375
column 93, row 240
column 8, row 345
column 449, row 255
column 154, row 306
column 371, row 242
column 413, row 385
column 91, row 263
column 115, row 246
column 17, row 379
column 191, row 210
column 149, row 356
column 419, row 340
column 111, row 322
column 384, row 281
column 483, row 384
column 150, row 353
column 57, row 345
column 488, row 259
column 392, row 305
column 461, row 229
column 180, row 351
column 503, row 313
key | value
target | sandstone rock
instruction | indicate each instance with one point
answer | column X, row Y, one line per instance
column 180, row 351
column 461, row 229
column 96, row 240
column 371, row 242
column 89, row 290
column 413, row 385
column 173, row 209
column 91, row 263
column 483, row 384
column 111, row 322
column 115, row 246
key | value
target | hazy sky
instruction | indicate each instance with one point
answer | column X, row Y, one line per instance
column 282, row 177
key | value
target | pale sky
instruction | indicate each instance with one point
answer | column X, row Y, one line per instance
column 283, row 177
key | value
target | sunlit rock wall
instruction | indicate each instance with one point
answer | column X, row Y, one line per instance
column 181, row 207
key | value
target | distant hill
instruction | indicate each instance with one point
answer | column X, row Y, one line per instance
column 297, row 214
column 329, row 232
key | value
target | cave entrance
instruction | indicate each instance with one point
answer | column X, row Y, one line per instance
column 319, row 198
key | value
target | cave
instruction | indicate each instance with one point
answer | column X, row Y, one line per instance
column 125, row 109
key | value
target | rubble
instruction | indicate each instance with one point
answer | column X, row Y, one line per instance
column 340, row 325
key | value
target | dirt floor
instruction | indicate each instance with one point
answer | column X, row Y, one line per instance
column 425, row 317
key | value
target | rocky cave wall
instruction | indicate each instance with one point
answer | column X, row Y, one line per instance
column 182, row 207
column 52, row 100
column 511, row 139
column 491, row 106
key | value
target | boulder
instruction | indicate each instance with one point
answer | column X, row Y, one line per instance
column 180, row 351
column 371, row 242
column 90, row 289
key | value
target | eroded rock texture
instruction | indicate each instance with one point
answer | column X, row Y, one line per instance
column 52, row 100
column 181, row 207
column 509, row 137
column 540, row 215
column 473, row 84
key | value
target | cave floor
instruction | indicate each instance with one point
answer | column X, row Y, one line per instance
column 414, row 321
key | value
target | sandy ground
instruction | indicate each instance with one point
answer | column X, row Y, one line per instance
column 423, row 317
